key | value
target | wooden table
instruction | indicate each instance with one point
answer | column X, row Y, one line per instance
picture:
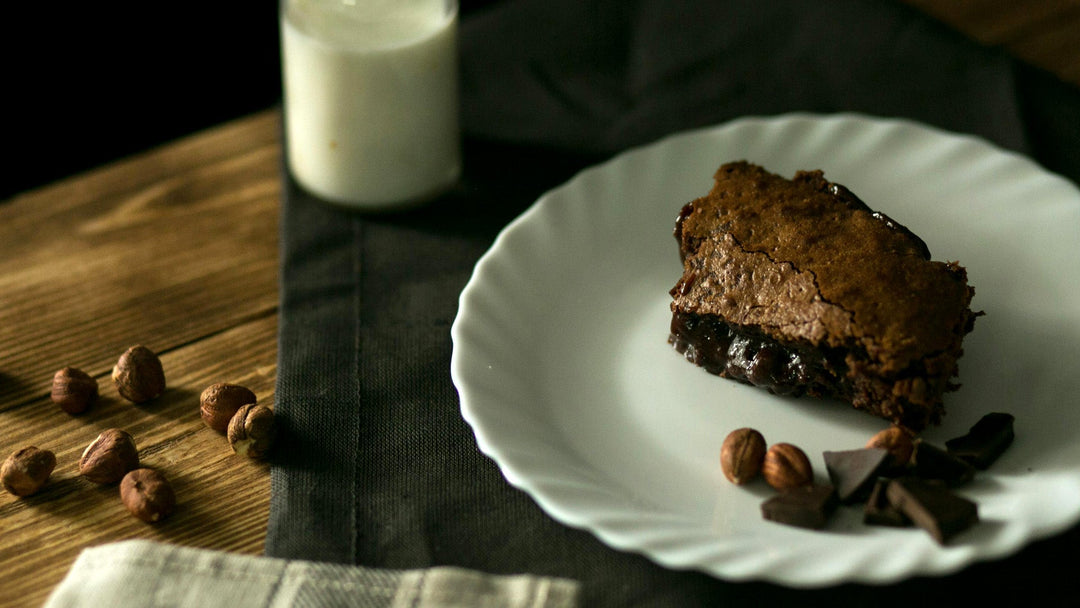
column 1044, row 33
column 176, row 249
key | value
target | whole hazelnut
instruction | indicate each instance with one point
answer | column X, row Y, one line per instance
column 786, row 467
column 897, row 442
column 138, row 375
column 147, row 495
column 741, row 455
column 74, row 390
column 251, row 431
column 27, row 470
column 109, row 457
column 219, row 402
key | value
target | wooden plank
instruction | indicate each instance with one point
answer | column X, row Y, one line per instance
column 175, row 249
column 1044, row 33
column 1055, row 46
column 161, row 249
column 998, row 21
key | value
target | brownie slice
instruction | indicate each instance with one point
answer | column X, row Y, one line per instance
column 798, row 287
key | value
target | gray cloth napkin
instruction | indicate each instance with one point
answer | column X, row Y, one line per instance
column 145, row 573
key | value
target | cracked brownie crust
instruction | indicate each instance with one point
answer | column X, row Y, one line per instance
column 798, row 287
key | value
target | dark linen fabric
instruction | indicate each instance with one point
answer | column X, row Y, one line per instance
column 376, row 467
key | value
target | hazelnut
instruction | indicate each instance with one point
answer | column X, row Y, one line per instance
column 147, row 495
column 742, row 455
column 251, row 431
column 897, row 442
column 109, row 457
column 27, row 470
column 74, row 390
column 219, row 402
column 138, row 375
column 786, row 467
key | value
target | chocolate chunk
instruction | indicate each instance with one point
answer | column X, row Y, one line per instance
column 853, row 472
column 931, row 462
column 932, row 507
column 880, row 512
column 985, row 441
column 804, row 507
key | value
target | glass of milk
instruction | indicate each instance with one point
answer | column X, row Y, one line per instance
column 371, row 99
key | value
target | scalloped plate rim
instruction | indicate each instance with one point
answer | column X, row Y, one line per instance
column 543, row 489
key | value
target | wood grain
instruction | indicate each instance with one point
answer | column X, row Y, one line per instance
column 175, row 249
column 1044, row 33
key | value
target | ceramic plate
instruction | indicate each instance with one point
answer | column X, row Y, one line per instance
column 562, row 364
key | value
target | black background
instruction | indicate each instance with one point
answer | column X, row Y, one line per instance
column 87, row 83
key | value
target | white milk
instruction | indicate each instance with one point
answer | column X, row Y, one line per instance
column 371, row 99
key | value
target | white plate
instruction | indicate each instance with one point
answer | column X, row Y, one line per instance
column 564, row 372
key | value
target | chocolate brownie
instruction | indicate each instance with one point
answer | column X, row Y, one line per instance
column 798, row 287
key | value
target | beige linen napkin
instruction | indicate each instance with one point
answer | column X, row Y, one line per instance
column 144, row 573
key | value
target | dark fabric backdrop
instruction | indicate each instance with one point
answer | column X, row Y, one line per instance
column 378, row 468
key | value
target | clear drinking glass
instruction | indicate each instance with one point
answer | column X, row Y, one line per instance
column 371, row 99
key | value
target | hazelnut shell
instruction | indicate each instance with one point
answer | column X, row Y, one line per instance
column 786, row 467
column 73, row 390
column 26, row 471
column 147, row 495
column 742, row 455
column 109, row 457
column 219, row 402
column 898, row 442
column 252, row 431
column 138, row 375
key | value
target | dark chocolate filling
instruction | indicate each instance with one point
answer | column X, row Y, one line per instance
column 754, row 358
